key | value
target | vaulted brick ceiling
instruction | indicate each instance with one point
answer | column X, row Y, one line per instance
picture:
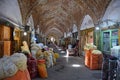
column 58, row 16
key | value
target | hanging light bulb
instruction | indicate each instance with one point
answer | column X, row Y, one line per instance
column 97, row 28
column 25, row 33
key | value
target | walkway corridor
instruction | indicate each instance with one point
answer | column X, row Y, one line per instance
column 71, row 68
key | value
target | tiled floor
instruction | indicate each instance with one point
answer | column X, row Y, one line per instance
column 71, row 68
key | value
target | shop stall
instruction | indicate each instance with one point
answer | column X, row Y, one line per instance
column 109, row 45
column 87, row 36
column 109, row 39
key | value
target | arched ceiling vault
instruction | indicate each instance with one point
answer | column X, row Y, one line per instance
column 61, row 14
column 56, row 31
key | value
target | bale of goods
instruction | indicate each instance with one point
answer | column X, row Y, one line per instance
column 32, row 67
column 7, row 68
column 34, row 49
column 96, row 60
column 42, row 69
column 20, row 60
column 2, row 75
column 56, row 55
column 39, row 54
column 20, row 75
column 52, row 58
column 48, row 58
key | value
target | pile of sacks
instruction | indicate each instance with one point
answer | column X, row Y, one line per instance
column 47, row 54
column 44, row 52
column 34, row 48
column 10, row 65
column 96, row 52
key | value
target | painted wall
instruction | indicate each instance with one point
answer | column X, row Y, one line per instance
column 9, row 9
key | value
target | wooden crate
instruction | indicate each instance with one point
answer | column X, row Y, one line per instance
column 5, row 33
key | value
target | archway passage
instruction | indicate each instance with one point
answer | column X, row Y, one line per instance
column 62, row 22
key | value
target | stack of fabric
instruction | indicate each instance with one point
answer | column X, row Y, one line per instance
column 88, row 50
column 14, row 66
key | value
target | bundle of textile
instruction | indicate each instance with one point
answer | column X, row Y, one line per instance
column 20, row 60
column 34, row 49
column 14, row 67
column 25, row 48
column 39, row 54
column 52, row 56
column 42, row 68
column 96, row 52
column 48, row 58
column 20, row 75
column 7, row 68
column 56, row 55
column 32, row 67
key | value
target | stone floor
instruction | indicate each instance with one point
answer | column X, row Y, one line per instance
column 65, row 69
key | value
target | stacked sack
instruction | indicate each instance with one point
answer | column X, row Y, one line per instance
column 39, row 54
column 32, row 66
column 20, row 60
column 11, row 65
column 25, row 48
column 7, row 68
column 34, row 49
column 52, row 56
column 56, row 55
column 48, row 59
column 88, row 50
